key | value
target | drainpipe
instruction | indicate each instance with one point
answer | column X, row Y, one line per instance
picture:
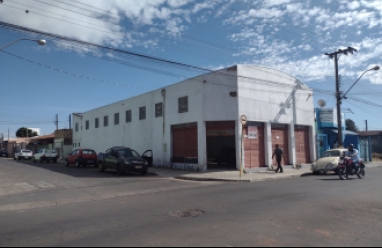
column 164, row 125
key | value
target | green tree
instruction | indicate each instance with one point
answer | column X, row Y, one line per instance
column 351, row 126
column 22, row 133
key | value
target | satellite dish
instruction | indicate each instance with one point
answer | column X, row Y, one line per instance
column 321, row 103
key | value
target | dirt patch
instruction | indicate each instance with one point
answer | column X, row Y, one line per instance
column 323, row 233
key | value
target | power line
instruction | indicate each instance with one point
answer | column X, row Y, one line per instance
column 147, row 58
column 193, row 53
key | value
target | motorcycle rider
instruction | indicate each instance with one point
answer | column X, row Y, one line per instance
column 353, row 154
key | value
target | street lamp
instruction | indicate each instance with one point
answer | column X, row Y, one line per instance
column 339, row 98
column 375, row 68
column 40, row 42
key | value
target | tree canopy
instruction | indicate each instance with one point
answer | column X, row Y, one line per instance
column 22, row 133
column 351, row 126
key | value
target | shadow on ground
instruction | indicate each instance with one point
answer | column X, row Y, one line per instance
column 83, row 172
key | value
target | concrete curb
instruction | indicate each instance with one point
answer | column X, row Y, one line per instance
column 206, row 179
column 278, row 177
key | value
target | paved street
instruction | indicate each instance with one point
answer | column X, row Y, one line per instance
column 51, row 205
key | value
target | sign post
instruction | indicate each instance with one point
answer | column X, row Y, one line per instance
column 243, row 120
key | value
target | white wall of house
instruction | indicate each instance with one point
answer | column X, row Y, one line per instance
column 270, row 96
column 209, row 99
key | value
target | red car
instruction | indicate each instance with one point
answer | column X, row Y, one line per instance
column 82, row 157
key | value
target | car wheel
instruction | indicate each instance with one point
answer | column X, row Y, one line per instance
column 55, row 161
column 78, row 164
column 19, row 158
column 143, row 173
column 100, row 167
column 41, row 161
column 34, row 160
column 67, row 163
column 14, row 158
column 316, row 173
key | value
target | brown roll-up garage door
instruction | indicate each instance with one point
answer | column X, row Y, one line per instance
column 254, row 150
column 185, row 144
column 280, row 137
column 302, row 145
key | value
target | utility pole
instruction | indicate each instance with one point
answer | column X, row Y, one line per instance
column 335, row 56
column 56, row 122
column 367, row 126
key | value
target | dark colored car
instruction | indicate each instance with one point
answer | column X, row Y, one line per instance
column 125, row 160
column 82, row 157
column 4, row 153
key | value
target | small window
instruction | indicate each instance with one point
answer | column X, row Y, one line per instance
column 87, row 125
column 183, row 104
column 142, row 113
column 116, row 119
column 76, row 127
column 106, row 121
column 159, row 110
column 128, row 116
column 97, row 123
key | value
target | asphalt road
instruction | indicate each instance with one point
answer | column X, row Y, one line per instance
column 51, row 205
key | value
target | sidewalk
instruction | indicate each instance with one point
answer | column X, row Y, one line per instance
column 262, row 174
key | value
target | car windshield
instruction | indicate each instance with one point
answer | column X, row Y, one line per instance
column 128, row 153
column 332, row 154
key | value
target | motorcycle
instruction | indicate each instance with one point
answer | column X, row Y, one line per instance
column 346, row 169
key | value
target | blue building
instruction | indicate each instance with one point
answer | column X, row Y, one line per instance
column 327, row 131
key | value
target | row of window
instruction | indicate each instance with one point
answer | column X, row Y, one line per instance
column 182, row 107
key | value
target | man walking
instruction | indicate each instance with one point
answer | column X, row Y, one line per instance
column 279, row 155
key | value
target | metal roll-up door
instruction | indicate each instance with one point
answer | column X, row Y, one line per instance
column 280, row 137
column 302, row 145
column 185, row 144
column 254, row 149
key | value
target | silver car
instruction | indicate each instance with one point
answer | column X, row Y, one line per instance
column 23, row 154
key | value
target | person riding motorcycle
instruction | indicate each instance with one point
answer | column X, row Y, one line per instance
column 353, row 154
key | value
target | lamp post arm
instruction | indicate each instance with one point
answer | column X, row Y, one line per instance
column 356, row 82
column 1, row 48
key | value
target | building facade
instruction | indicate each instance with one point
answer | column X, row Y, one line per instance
column 195, row 124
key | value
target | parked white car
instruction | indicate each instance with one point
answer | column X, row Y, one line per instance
column 23, row 154
column 329, row 161
column 46, row 155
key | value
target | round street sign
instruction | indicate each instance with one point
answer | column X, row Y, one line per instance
column 243, row 119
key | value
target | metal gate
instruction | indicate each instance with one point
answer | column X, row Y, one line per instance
column 302, row 145
column 280, row 137
column 185, row 144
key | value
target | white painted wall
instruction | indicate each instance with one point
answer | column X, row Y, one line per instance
column 271, row 96
column 209, row 100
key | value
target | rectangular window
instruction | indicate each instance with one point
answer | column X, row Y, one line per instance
column 87, row 125
column 76, row 127
column 106, row 121
column 159, row 110
column 142, row 113
column 116, row 119
column 183, row 104
column 96, row 123
column 128, row 116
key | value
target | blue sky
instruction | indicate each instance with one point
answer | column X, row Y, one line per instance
column 284, row 34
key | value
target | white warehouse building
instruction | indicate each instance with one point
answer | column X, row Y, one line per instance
column 195, row 124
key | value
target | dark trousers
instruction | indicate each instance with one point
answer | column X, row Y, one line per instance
column 279, row 167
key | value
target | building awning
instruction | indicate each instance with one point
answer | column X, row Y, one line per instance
column 346, row 132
